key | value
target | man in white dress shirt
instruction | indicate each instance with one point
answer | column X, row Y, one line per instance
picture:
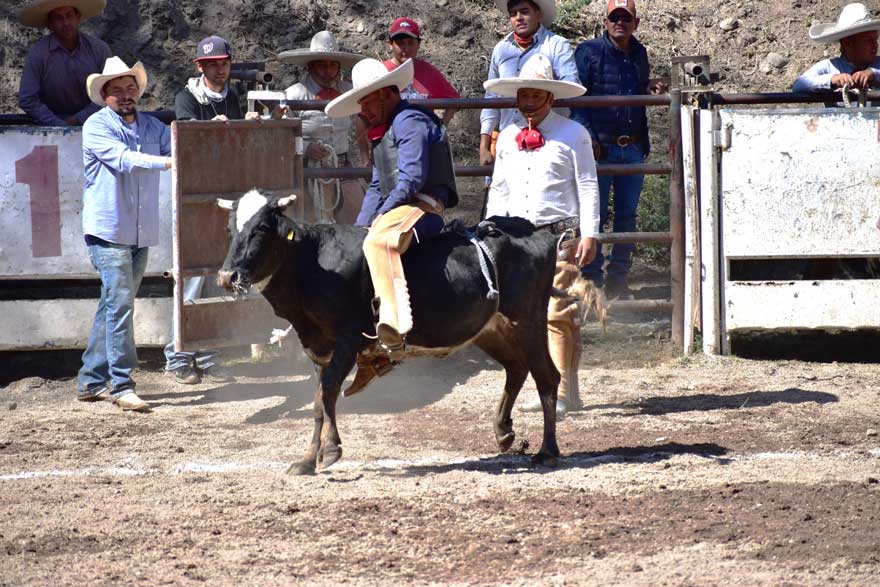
column 545, row 173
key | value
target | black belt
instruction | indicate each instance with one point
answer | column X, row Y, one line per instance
column 560, row 226
column 620, row 140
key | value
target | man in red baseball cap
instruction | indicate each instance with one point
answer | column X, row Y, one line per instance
column 405, row 38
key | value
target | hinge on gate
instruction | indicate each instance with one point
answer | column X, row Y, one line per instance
column 721, row 139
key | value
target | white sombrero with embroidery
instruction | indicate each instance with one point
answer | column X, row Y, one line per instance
column 537, row 73
column 115, row 67
column 548, row 10
column 322, row 48
column 368, row 76
column 853, row 19
column 35, row 13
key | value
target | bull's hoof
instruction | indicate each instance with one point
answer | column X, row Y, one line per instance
column 301, row 468
column 545, row 460
column 329, row 455
column 505, row 441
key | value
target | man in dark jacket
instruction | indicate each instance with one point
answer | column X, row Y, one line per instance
column 210, row 96
column 616, row 64
column 413, row 183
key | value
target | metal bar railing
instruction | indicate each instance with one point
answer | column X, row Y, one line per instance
column 480, row 171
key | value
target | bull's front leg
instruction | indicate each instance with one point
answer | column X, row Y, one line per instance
column 309, row 461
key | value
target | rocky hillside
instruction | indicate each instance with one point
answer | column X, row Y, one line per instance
column 755, row 46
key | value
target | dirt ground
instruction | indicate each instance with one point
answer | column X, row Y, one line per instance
column 679, row 471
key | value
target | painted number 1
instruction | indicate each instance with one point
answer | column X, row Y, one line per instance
column 39, row 170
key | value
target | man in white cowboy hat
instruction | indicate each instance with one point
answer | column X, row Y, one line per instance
column 327, row 140
column 209, row 96
column 545, row 173
column 530, row 21
column 123, row 151
column 52, row 89
column 858, row 65
column 413, row 183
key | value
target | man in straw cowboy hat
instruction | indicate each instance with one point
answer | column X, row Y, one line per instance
column 529, row 21
column 858, row 65
column 123, row 151
column 327, row 140
column 545, row 173
column 413, row 183
column 52, row 89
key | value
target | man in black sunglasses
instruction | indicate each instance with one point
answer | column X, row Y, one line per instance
column 616, row 64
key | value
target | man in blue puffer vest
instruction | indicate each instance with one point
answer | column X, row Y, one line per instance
column 616, row 64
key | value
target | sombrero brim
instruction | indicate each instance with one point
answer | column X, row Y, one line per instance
column 347, row 103
column 96, row 81
column 304, row 56
column 509, row 86
column 34, row 15
column 548, row 10
column 829, row 32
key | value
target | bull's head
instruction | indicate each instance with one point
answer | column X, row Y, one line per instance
column 260, row 231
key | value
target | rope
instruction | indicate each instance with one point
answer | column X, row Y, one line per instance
column 847, row 102
column 484, row 253
column 316, row 185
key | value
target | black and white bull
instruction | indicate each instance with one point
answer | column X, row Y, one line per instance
column 315, row 276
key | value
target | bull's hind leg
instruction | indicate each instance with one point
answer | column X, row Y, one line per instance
column 547, row 380
column 500, row 343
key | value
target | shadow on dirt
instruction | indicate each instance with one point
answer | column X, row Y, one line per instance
column 705, row 402
column 512, row 464
column 414, row 384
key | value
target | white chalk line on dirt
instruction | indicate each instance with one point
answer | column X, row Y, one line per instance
column 502, row 463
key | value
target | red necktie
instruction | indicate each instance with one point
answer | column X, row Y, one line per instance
column 328, row 94
column 530, row 139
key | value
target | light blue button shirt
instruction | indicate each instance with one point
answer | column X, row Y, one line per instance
column 121, row 193
column 508, row 60
column 818, row 77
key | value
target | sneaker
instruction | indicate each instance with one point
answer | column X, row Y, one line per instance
column 618, row 290
column 187, row 375
column 131, row 402
column 93, row 394
column 217, row 374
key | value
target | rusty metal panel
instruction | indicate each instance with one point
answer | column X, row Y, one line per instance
column 41, row 183
column 224, row 159
column 802, row 304
column 66, row 324
column 800, row 182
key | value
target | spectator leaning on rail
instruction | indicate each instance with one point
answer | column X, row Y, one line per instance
column 405, row 39
column 545, row 172
column 123, row 151
column 528, row 19
column 209, row 96
column 327, row 140
column 616, row 64
column 858, row 65
column 52, row 89
column 413, row 183
column 206, row 97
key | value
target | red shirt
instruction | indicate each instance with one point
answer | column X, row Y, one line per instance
column 427, row 82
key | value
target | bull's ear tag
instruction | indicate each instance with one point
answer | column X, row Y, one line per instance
column 290, row 235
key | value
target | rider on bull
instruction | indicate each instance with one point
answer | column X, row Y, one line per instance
column 413, row 183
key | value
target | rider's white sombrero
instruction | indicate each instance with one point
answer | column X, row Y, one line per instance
column 853, row 19
column 548, row 9
column 368, row 76
column 537, row 73
column 35, row 13
column 322, row 48
column 115, row 67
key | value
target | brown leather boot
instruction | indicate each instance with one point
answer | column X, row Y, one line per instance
column 368, row 368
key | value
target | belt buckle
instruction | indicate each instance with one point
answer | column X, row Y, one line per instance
column 624, row 141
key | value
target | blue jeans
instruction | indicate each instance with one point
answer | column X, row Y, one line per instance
column 111, row 356
column 193, row 289
column 627, row 190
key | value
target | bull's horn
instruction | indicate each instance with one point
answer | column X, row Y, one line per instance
column 285, row 202
column 226, row 204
